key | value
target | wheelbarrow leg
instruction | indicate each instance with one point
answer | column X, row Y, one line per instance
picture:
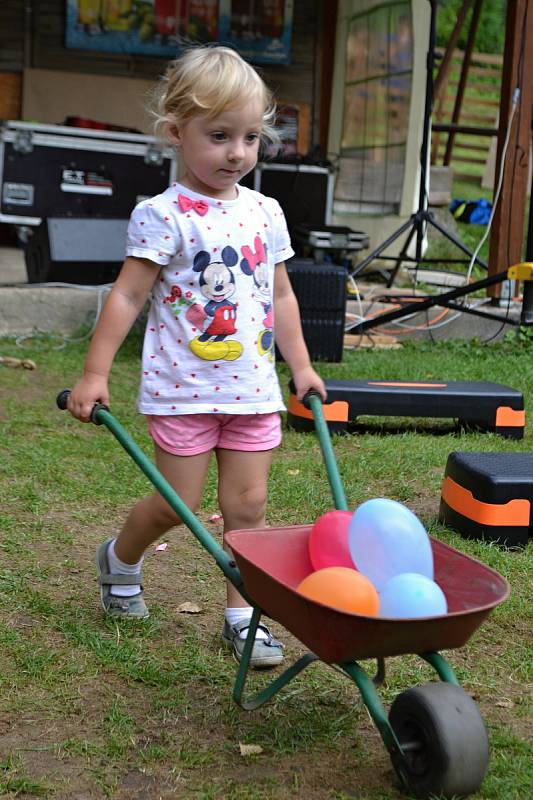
column 372, row 701
column 273, row 687
column 441, row 667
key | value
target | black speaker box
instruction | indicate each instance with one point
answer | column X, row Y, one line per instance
column 321, row 293
column 76, row 250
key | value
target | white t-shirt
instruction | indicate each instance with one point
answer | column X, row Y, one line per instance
column 208, row 345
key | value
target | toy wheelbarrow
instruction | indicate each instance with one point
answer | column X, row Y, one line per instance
column 434, row 734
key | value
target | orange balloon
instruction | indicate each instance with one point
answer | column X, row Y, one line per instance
column 342, row 588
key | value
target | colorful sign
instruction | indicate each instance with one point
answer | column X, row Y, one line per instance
column 259, row 29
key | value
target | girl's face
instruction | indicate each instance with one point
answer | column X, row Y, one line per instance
column 218, row 151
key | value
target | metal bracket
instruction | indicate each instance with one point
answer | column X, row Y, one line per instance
column 23, row 142
column 153, row 156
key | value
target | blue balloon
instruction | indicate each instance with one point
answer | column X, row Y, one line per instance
column 410, row 595
column 385, row 539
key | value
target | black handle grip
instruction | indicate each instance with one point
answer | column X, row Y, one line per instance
column 63, row 396
column 308, row 394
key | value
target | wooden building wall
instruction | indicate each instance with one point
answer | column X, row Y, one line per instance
column 11, row 36
column 12, row 43
column 32, row 35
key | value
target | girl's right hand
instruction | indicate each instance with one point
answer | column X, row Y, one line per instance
column 89, row 390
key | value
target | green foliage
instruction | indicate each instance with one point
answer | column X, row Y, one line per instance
column 524, row 335
column 490, row 35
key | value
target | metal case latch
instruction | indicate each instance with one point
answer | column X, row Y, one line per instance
column 153, row 155
column 23, row 142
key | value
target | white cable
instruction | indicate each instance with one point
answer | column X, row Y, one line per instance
column 353, row 283
column 348, row 326
column 431, row 326
column 101, row 289
column 99, row 305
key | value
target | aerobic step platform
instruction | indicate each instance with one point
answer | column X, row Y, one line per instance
column 488, row 406
column 489, row 496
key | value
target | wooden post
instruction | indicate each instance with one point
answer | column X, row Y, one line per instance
column 328, row 28
column 507, row 234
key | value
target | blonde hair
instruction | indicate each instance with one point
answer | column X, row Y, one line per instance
column 206, row 80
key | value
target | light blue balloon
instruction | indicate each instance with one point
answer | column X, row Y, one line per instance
column 410, row 595
column 385, row 539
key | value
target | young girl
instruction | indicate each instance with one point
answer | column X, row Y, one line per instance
column 211, row 253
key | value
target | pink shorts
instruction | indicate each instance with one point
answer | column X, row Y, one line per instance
column 190, row 434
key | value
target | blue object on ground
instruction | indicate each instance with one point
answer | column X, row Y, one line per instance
column 476, row 212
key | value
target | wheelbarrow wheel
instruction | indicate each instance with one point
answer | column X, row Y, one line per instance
column 443, row 738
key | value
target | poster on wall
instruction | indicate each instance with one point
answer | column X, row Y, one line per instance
column 259, row 29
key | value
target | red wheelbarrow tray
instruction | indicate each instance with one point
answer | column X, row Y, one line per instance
column 273, row 561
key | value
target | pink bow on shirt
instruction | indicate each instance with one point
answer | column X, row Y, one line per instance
column 186, row 203
column 256, row 258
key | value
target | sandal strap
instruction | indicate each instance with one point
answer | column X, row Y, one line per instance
column 269, row 642
column 120, row 580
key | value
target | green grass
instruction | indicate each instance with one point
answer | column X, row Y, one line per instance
column 90, row 708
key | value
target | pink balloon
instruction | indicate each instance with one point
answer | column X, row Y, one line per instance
column 328, row 541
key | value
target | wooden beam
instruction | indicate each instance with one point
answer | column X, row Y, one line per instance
column 442, row 74
column 441, row 83
column 327, row 33
column 507, row 234
column 463, row 78
column 441, row 127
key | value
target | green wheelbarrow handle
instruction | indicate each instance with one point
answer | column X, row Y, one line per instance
column 101, row 415
column 313, row 401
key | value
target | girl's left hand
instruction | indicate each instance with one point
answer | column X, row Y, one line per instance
column 306, row 379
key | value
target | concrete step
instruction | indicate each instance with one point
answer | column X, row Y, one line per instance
column 48, row 308
column 52, row 308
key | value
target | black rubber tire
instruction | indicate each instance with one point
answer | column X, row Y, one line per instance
column 452, row 744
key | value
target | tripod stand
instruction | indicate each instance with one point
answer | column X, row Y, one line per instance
column 422, row 218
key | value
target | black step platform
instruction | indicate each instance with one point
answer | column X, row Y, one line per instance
column 479, row 404
column 489, row 496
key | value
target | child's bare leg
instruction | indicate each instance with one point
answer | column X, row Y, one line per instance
column 242, row 495
column 152, row 517
column 242, row 492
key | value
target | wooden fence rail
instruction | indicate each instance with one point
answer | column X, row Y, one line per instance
column 465, row 144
